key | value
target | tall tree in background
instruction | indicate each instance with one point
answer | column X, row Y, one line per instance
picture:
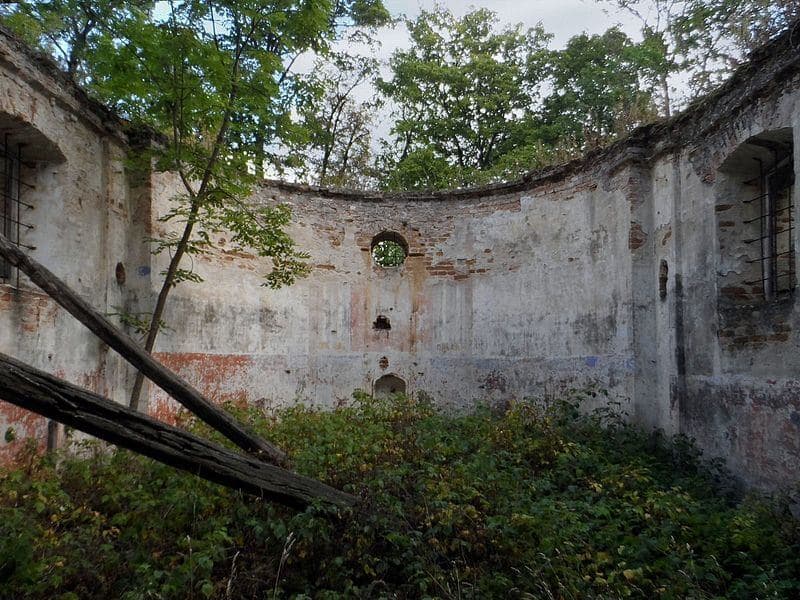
column 656, row 18
column 463, row 94
column 69, row 29
column 702, row 41
column 211, row 76
column 598, row 89
column 473, row 104
column 338, row 123
column 716, row 35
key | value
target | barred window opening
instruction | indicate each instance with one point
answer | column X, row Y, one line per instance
column 756, row 220
column 13, row 210
column 776, row 223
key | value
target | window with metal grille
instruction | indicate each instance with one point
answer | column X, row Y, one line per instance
column 755, row 209
column 775, row 219
column 12, row 208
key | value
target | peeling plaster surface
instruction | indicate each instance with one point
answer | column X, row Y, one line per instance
column 497, row 299
column 87, row 216
column 526, row 289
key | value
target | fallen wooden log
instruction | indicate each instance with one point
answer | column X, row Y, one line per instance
column 34, row 390
column 131, row 351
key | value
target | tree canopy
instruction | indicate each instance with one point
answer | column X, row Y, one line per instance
column 599, row 89
column 474, row 102
column 70, row 30
column 700, row 42
column 463, row 94
column 469, row 100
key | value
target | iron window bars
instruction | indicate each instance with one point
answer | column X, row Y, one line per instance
column 776, row 223
column 11, row 204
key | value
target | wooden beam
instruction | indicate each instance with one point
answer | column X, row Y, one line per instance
column 34, row 390
column 131, row 351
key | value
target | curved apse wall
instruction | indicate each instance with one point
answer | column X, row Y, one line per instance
column 623, row 271
column 502, row 295
column 634, row 269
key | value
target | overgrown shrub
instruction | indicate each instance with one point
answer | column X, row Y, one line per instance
column 539, row 502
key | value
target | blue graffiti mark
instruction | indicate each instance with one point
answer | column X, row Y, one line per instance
column 143, row 271
column 591, row 361
column 630, row 365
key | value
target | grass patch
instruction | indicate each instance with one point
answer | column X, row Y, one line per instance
column 532, row 503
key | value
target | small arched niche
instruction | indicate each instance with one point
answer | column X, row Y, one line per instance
column 389, row 249
column 382, row 323
column 386, row 386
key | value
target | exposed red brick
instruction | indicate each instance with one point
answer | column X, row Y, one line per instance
column 637, row 237
column 733, row 291
column 25, row 425
column 219, row 377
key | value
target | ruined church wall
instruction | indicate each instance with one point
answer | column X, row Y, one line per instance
column 504, row 295
column 84, row 215
column 614, row 273
column 737, row 353
column 627, row 271
column 716, row 359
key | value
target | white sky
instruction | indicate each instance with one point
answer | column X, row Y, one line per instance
column 563, row 18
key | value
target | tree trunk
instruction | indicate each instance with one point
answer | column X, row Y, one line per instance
column 161, row 301
column 665, row 92
column 171, row 383
column 196, row 202
column 56, row 399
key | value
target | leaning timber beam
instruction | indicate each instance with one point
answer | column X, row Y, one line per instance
column 34, row 390
column 131, row 351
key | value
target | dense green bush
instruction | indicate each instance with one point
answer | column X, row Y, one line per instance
column 532, row 503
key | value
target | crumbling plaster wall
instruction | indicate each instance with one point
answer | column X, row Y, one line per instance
column 86, row 218
column 718, row 366
column 740, row 362
column 605, row 272
column 506, row 295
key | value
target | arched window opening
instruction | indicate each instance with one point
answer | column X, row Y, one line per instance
column 755, row 211
column 389, row 249
column 388, row 385
column 23, row 150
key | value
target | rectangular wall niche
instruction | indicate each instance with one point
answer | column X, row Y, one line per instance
column 382, row 323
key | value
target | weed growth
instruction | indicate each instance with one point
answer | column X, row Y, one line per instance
column 537, row 502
